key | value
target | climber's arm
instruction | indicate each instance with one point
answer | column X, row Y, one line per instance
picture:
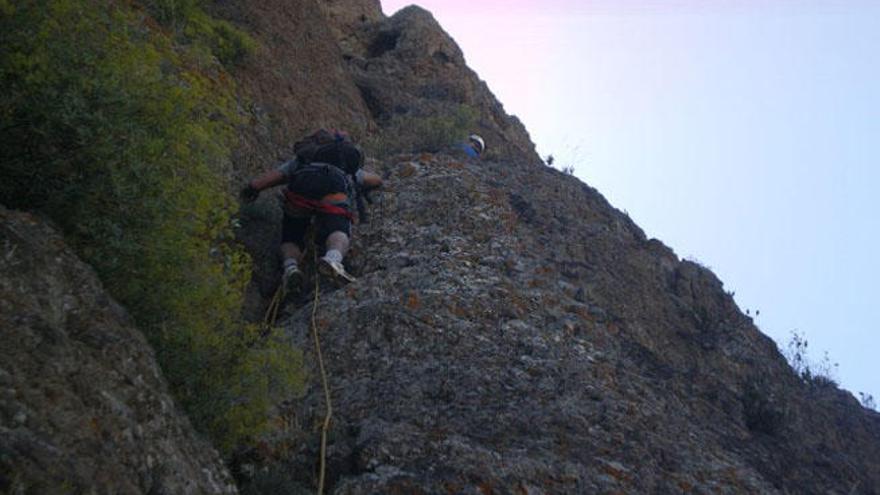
column 271, row 178
column 369, row 180
column 267, row 180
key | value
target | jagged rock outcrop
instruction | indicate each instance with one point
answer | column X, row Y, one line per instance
column 511, row 332
column 344, row 64
column 347, row 17
column 295, row 82
column 83, row 405
column 407, row 65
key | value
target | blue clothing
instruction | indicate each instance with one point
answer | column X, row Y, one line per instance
column 469, row 150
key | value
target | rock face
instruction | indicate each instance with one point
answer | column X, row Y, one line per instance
column 347, row 17
column 344, row 64
column 407, row 65
column 83, row 407
column 511, row 332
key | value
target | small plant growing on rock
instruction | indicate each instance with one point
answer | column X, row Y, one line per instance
column 192, row 26
column 813, row 373
column 762, row 411
column 431, row 133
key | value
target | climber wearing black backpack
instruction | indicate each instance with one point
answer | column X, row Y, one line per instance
column 322, row 181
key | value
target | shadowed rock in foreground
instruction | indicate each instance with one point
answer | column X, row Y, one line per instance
column 83, row 406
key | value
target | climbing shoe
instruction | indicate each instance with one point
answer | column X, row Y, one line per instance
column 292, row 279
column 334, row 270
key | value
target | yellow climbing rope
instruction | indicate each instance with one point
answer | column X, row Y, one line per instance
column 269, row 320
column 325, row 383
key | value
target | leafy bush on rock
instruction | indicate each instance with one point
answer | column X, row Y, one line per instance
column 122, row 137
column 413, row 134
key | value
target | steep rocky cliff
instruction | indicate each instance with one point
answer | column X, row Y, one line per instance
column 344, row 64
column 501, row 339
column 511, row 332
column 83, row 406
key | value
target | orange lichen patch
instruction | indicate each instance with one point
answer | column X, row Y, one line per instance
column 486, row 488
column 455, row 165
column 685, row 486
column 581, row 311
column 404, row 487
column 412, row 301
column 452, row 488
column 458, row 311
column 426, row 157
column 407, row 170
column 93, row 424
column 616, row 472
column 731, row 476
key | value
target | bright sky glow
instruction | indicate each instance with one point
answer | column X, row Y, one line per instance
column 745, row 134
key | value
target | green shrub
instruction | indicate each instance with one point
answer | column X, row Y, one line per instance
column 120, row 137
column 193, row 26
column 432, row 133
column 762, row 411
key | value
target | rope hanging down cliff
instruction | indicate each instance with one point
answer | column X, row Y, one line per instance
column 269, row 321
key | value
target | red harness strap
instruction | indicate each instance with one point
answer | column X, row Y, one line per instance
column 303, row 203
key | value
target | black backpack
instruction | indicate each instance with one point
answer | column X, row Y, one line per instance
column 336, row 148
column 330, row 146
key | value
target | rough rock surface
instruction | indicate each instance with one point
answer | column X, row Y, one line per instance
column 347, row 17
column 296, row 82
column 344, row 64
column 511, row 332
column 408, row 65
column 83, row 406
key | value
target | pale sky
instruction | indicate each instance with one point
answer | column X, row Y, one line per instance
column 743, row 134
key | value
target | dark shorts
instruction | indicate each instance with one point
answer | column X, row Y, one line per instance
column 315, row 182
column 293, row 229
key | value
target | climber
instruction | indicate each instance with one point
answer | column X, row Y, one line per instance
column 321, row 180
column 474, row 147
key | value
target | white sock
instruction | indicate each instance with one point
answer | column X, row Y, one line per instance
column 289, row 264
column 333, row 255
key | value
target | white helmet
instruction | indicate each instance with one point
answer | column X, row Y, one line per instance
column 478, row 143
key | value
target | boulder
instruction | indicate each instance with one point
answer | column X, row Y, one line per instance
column 83, row 405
